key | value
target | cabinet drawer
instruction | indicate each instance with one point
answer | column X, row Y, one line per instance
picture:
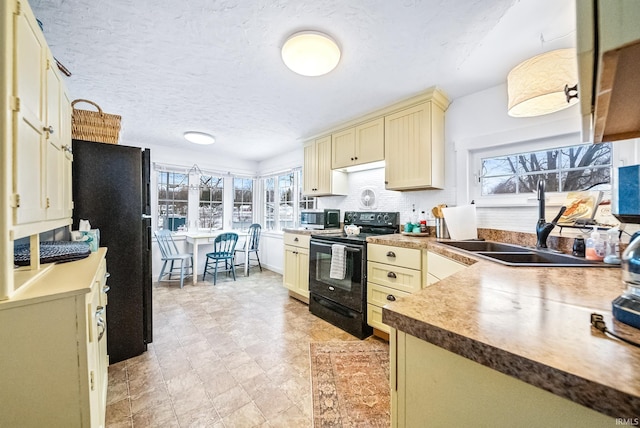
column 374, row 318
column 377, row 294
column 398, row 256
column 396, row 277
column 297, row 240
column 441, row 267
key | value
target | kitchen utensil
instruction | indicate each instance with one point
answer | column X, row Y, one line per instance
column 441, row 229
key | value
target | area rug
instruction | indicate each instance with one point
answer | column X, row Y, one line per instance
column 350, row 383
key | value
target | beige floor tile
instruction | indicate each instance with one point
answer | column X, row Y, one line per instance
column 231, row 400
column 247, row 416
column 221, row 357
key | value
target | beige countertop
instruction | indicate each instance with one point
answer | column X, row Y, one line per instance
column 530, row 323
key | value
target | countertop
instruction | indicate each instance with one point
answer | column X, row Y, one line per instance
column 530, row 323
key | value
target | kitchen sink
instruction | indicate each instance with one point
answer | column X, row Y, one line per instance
column 515, row 255
column 485, row 246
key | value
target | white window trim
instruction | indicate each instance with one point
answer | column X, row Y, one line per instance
column 536, row 138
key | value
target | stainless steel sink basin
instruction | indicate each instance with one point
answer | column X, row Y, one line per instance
column 540, row 258
column 515, row 255
column 485, row 246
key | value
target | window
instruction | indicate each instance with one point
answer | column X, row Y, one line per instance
column 286, row 190
column 283, row 200
column 210, row 209
column 571, row 168
column 173, row 195
column 242, row 203
column 270, row 203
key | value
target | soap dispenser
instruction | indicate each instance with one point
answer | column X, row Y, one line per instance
column 612, row 247
column 594, row 249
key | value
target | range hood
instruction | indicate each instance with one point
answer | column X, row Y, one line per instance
column 608, row 45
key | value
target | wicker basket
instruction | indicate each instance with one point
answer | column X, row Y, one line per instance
column 94, row 126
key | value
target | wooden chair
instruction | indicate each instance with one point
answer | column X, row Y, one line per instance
column 253, row 241
column 170, row 253
column 223, row 251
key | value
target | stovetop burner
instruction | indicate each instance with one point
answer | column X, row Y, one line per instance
column 371, row 224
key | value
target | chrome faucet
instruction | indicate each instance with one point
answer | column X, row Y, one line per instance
column 543, row 229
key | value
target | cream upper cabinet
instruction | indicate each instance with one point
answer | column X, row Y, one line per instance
column 40, row 131
column 608, row 48
column 29, row 141
column 358, row 145
column 414, row 148
column 318, row 177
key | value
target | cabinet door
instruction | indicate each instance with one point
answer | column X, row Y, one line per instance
column 65, row 132
column 303, row 272
column 310, row 170
column 29, row 138
column 414, row 148
column 323, row 165
column 369, row 141
column 290, row 275
column 54, row 138
column 343, row 148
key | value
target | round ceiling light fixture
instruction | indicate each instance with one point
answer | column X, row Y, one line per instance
column 537, row 85
column 310, row 53
column 199, row 137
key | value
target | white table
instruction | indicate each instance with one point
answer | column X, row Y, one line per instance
column 198, row 238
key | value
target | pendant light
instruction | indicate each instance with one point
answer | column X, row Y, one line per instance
column 543, row 84
column 310, row 53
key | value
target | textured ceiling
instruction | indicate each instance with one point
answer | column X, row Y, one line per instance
column 214, row 65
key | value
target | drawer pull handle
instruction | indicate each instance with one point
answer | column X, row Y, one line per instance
column 295, row 239
column 391, row 298
column 391, row 254
column 106, row 289
column 391, row 275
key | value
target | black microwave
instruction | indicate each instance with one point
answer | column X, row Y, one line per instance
column 325, row 219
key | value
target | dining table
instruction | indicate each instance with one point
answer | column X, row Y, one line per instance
column 198, row 238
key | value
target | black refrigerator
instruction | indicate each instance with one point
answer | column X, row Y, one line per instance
column 111, row 185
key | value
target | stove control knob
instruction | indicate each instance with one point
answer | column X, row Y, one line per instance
column 379, row 218
column 386, row 218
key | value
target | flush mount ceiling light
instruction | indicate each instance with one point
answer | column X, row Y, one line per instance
column 199, row 137
column 310, row 53
column 537, row 85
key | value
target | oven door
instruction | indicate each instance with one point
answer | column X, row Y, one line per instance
column 348, row 291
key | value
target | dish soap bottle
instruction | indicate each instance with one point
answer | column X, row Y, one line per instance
column 612, row 247
column 423, row 222
column 595, row 246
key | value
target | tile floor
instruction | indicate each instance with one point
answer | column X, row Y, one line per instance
column 231, row 355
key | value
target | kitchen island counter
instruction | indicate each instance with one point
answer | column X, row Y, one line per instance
column 530, row 323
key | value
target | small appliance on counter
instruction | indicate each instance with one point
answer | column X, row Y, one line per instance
column 324, row 219
column 626, row 308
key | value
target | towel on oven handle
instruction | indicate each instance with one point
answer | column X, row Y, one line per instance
column 338, row 262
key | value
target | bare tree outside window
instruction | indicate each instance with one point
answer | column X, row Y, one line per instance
column 242, row 203
column 565, row 169
column 173, row 200
column 286, row 188
column 210, row 207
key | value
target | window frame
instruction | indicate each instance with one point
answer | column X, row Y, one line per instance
column 297, row 200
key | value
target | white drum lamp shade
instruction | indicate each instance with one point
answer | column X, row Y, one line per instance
column 537, row 85
column 310, row 53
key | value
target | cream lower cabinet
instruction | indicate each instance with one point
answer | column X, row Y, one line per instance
column 296, row 265
column 318, row 178
column 392, row 272
column 432, row 387
column 440, row 267
column 414, row 146
column 53, row 354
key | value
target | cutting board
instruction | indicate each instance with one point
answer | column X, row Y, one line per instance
column 461, row 222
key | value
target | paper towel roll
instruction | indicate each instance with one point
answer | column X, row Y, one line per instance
column 461, row 222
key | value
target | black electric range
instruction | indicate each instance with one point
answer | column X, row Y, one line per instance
column 343, row 301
